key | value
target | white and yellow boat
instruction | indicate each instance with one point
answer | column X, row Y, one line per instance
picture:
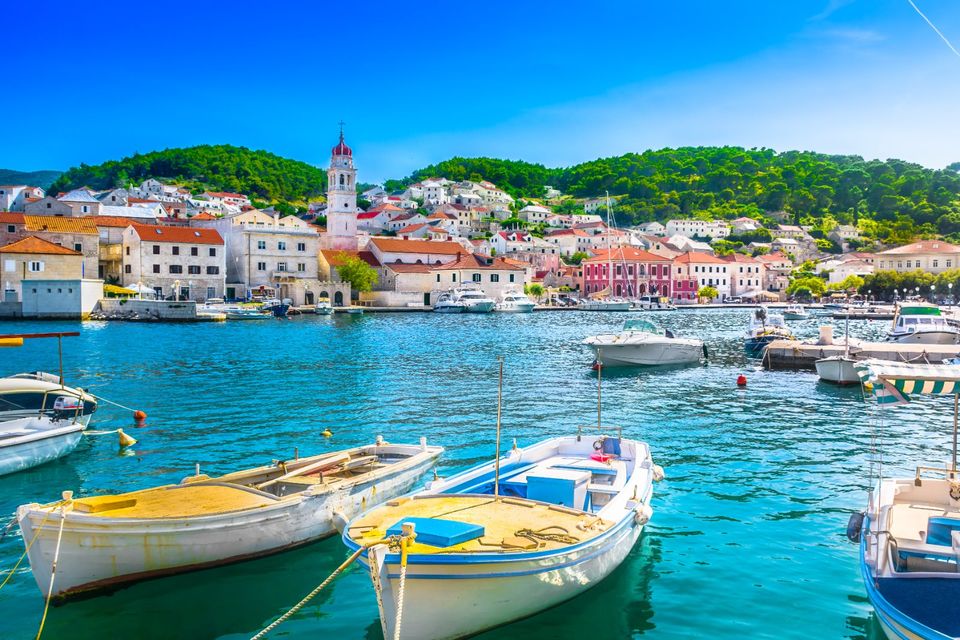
column 493, row 545
column 202, row 522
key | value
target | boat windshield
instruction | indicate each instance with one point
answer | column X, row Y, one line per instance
column 640, row 324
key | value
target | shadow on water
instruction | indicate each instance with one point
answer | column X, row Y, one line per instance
column 236, row 599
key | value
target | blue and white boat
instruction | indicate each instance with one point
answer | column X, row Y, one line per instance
column 507, row 538
column 765, row 327
column 909, row 535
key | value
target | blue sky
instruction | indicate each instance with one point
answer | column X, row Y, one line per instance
column 420, row 82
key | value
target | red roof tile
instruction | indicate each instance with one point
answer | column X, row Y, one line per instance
column 33, row 244
column 186, row 235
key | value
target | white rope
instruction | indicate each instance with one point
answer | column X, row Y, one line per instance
column 53, row 571
column 403, row 583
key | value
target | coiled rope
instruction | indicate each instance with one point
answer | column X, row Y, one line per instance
column 540, row 536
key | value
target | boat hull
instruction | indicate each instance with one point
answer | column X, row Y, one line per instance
column 98, row 552
column 604, row 306
column 926, row 337
column 647, row 354
column 479, row 307
column 18, row 453
column 795, row 316
column 838, row 370
column 516, row 308
column 498, row 592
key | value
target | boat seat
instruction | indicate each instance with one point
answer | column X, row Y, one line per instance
column 603, row 488
column 600, row 471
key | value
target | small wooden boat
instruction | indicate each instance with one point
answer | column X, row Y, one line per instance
column 507, row 538
column 29, row 442
column 201, row 522
column 795, row 312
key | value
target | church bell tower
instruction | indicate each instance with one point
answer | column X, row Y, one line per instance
column 341, row 199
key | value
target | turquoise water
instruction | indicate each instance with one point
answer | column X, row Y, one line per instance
column 747, row 537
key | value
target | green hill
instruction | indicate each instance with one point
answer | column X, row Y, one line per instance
column 32, row 178
column 258, row 174
column 902, row 199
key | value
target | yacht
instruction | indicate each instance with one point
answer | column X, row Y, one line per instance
column 474, row 300
column 604, row 304
column 644, row 343
column 765, row 327
column 921, row 323
column 515, row 302
column 447, row 302
column 323, row 307
column 795, row 312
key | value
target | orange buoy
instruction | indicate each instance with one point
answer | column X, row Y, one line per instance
column 741, row 380
column 139, row 418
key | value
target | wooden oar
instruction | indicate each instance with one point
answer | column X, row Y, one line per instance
column 319, row 465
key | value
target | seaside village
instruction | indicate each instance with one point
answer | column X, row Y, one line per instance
column 91, row 252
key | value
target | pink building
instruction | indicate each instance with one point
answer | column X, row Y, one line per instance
column 635, row 272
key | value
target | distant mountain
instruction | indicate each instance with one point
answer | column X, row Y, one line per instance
column 33, row 178
column 258, row 174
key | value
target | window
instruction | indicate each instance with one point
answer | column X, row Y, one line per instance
column 127, row 269
column 84, row 209
column 11, row 228
column 194, row 251
column 438, row 277
column 10, row 266
column 156, row 249
column 193, row 269
column 35, row 266
column 494, row 277
column 301, row 266
column 511, row 277
column 213, row 271
column 301, row 246
column 261, row 244
column 176, row 251
column 211, row 292
column 949, row 263
column 156, row 268
column 176, row 268
column 261, row 266
column 476, row 277
column 281, row 246
column 454, row 277
column 213, row 252
column 281, row 266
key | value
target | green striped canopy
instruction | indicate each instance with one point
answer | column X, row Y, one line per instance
column 895, row 382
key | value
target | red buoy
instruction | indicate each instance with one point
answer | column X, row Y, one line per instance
column 741, row 380
column 139, row 418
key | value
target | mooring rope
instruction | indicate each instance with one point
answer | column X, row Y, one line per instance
column 53, row 572
column 29, row 544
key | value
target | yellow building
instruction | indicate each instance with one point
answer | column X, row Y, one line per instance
column 934, row 256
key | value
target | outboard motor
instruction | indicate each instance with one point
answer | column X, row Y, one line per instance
column 855, row 526
column 67, row 406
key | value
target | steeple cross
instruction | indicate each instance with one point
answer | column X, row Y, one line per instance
column 341, row 123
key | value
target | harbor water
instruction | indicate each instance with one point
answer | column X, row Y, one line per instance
column 747, row 536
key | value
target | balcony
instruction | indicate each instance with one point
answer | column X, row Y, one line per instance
column 111, row 252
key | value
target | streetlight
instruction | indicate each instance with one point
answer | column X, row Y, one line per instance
column 950, row 291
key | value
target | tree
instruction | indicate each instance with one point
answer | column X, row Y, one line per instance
column 811, row 286
column 850, row 283
column 708, row 293
column 577, row 257
column 534, row 289
column 358, row 273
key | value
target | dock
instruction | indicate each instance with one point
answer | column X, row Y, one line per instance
column 796, row 354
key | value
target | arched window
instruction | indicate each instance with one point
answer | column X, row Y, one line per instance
column 341, row 178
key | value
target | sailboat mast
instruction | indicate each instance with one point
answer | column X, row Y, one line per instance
column 496, row 457
column 600, row 391
column 609, row 247
column 956, row 399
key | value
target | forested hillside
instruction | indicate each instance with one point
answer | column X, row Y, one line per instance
column 895, row 199
column 32, row 178
column 259, row 174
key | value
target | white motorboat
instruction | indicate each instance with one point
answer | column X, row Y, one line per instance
column 30, row 442
column 246, row 313
column 765, row 327
column 643, row 343
column 795, row 312
column 507, row 539
column 515, row 302
column 474, row 300
column 654, row 303
column 205, row 521
column 920, row 323
column 447, row 302
column 323, row 307
column 838, row 369
column 604, row 304
column 27, row 395
column 909, row 534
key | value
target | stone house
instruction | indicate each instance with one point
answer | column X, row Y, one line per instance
column 185, row 260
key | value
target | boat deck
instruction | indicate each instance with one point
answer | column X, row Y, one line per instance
column 175, row 501
column 503, row 520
